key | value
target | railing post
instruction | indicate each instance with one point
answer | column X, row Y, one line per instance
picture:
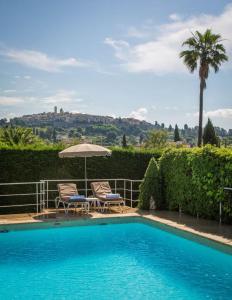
column 131, row 193
column 37, row 198
column 40, row 189
column 47, row 194
column 220, row 212
column 115, row 186
column 41, row 195
column 124, row 192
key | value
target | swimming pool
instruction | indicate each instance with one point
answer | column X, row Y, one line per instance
column 132, row 260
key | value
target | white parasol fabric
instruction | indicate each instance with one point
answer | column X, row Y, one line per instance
column 85, row 150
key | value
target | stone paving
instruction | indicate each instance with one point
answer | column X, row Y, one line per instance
column 211, row 230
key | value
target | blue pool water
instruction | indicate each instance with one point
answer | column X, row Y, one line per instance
column 117, row 261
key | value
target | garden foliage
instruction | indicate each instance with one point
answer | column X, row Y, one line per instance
column 150, row 187
column 36, row 163
column 193, row 181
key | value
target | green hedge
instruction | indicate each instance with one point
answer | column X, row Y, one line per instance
column 35, row 164
column 31, row 164
column 193, row 180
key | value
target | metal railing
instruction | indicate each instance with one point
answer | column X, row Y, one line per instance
column 128, row 188
column 42, row 194
column 35, row 194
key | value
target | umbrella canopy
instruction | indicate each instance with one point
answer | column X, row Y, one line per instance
column 85, row 150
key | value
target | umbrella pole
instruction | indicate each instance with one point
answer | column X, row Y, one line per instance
column 85, row 179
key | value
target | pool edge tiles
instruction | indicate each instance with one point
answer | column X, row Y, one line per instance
column 195, row 237
column 69, row 223
column 186, row 234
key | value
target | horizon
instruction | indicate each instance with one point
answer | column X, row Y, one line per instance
column 116, row 59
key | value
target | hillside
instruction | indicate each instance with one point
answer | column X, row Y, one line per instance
column 56, row 126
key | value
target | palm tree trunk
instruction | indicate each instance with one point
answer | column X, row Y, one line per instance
column 202, row 86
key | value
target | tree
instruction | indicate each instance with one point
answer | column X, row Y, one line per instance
column 124, row 142
column 111, row 137
column 176, row 134
column 150, row 187
column 209, row 135
column 185, row 127
column 17, row 136
column 141, row 139
column 54, row 135
column 206, row 51
column 156, row 139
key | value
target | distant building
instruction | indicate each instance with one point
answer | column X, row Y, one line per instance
column 55, row 109
column 61, row 111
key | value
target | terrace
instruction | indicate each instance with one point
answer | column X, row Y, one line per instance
column 40, row 201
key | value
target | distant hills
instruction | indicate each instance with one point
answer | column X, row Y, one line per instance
column 69, row 120
column 65, row 125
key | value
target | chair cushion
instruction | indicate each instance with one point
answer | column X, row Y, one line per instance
column 78, row 198
column 112, row 196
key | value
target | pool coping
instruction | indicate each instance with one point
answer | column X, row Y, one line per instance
column 150, row 217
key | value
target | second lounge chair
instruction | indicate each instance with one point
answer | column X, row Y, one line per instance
column 103, row 192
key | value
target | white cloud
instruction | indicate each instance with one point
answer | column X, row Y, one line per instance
column 119, row 46
column 139, row 114
column 11, row 101
column 225, row 113
column 62, row 97
column 41, row 61
column 174, row 17
column 137, row 33
column 175, row 108
column 222, row 113
column 161, row 54
column 9, row 91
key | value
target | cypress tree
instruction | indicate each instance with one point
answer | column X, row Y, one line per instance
column 124, row 142
column 150, row 187
column 54, row 135
column 176, row 134
column 209, row 135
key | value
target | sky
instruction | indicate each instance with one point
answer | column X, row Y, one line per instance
column 116, row 58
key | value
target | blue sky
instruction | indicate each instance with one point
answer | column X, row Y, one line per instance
column 117, row 58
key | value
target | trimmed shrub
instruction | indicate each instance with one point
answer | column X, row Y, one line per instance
column 193, row 180
column 150, row 187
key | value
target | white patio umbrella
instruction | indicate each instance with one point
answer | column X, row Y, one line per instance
column 85, row 150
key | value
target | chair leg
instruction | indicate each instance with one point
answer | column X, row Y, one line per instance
column 86, row 207
column 57, row 203
column 66, row 208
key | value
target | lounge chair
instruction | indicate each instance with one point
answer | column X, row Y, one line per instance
column 103, row 192
column 68, row 195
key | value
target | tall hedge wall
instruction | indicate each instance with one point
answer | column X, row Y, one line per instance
column 30, row 165
column 33, row 165
column 193, row 180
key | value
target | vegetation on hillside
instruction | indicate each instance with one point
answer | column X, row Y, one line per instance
column 93, row 129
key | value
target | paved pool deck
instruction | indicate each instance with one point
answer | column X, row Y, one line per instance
column 211, row 230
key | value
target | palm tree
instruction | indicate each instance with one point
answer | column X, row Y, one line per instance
column 17, row 136
column 206, row 51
